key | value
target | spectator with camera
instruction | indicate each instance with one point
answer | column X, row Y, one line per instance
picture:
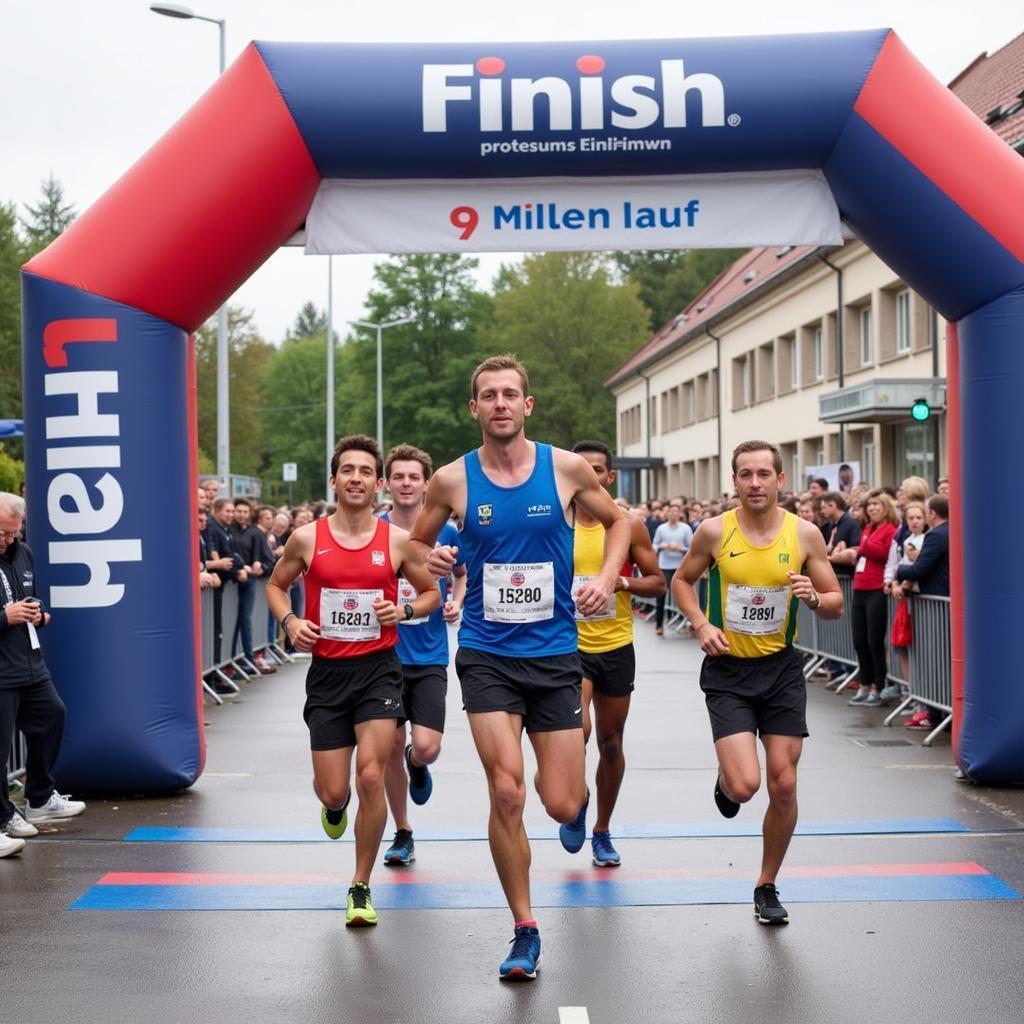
column 28, row 700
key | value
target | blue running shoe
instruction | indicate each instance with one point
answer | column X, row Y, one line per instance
column 605, row 855
column 574, row 835
column 421, row 785
column 403, row 850
column 522, row 960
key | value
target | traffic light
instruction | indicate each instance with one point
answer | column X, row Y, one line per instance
column 920, row 410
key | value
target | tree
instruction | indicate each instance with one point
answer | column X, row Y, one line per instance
column 12, row 472
column 572, row 326
column 49, row 219
column 308, row 324
column 669, row 279
column 427, row 364
column 249, row 355
column 12, row 255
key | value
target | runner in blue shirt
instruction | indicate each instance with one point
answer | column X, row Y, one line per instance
column 423, row 652
column 517, row 660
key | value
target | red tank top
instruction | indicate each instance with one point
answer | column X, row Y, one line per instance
column 341, row 585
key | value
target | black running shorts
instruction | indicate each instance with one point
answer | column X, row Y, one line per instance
column 545, row 691
column 611, row 672
column 342, row 692
column 765, row 696
column 424, row 690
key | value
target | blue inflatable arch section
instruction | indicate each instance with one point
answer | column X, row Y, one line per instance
column 108, row 379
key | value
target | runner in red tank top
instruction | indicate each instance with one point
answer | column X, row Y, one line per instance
column 354, row 686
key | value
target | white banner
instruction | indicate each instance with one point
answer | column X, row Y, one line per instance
column 571, row 214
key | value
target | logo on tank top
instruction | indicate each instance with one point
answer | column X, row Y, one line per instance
column 377, row 557
column 784, row 558
column 532, row 511
column 483, row 514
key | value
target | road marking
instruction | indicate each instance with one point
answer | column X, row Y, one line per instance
column 573, row 1015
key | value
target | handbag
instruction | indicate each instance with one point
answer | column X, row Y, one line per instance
column 902, row 628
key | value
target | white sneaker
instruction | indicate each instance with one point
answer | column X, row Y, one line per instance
column 19, row 828
column 55, row 809
column 9, row 845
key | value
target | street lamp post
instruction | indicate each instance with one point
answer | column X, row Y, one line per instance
column 223, row 394
column 380, row 328
column 331, row 437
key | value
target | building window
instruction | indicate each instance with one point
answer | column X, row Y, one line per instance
column 867, row 458
column 688, row 404
column 867, row 348
column 747, row 379
column 819, row 355
column 794, row 365
column 903, row 322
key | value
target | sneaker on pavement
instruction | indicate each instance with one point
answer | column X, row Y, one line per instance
column 334, row 823
column 360, row 912
column 402, row 851
column 56, row 808
column 860, row 698
column 924, row 723
column 421, row 785
column 918, row 716
column 727, row 807
column 9, row 845
column 605, row 855
column 767, row 906
column 889, row 694
column 658, row 631
column 523, row 959
column 19, row 828
column 872, row 700
column 574, row 834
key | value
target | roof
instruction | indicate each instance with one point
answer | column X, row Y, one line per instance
column 991, row 86
column 749, row 274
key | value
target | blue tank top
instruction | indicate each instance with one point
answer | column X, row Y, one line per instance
column 425, row 641
column 518, row 550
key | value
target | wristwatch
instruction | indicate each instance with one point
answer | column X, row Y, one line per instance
column 817, row 601
column 409, row 613
column 624, row 583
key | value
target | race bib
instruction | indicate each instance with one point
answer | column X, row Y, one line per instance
column 756, row 611
column 406, row 595
column 862, row 564
column 519, row 592
column 578, row 582
column 348, row 615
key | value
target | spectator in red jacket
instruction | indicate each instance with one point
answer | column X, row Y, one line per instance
column 869, row 616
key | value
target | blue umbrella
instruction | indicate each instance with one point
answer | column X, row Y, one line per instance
column 12, row 428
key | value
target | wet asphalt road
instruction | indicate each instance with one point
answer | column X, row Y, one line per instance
column 904, row 906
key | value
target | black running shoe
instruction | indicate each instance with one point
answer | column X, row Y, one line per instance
column 728, row 808
column 767, row 907
column 421, row 785
column 402, row 851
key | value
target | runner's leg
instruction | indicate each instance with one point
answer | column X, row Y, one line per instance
column 610, row 714
column 426, row 744
column 498, row 739
column 738, row 766
column 561, row 764
column 396, row 782
column 374, row 740
column 587, row 694
column 331, row 772
column 781, row 756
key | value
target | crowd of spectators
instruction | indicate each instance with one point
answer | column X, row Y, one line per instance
column 888, row 541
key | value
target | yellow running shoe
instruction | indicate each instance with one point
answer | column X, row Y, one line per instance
column 360, row 909
column 334, row 822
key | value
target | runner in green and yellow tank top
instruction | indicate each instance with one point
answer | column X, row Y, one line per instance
column 749, row 595
column 760, row 561
column 606, row 645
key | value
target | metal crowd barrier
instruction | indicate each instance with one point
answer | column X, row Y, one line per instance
column 16, row 761
column 214, row 667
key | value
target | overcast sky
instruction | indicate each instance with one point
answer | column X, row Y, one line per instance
column 89, row 85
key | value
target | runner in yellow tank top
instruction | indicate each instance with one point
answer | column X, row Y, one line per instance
column 606, row 645
column 749, row 596
column 761, row 561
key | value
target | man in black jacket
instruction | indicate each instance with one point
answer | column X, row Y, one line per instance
column 221, row 549
column 248, row 543
column 930, row 570
column 28, row 700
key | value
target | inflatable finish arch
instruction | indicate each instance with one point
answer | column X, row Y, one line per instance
column 108, row 379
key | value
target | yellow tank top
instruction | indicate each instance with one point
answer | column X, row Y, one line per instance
column 616, row 630
column 748, row 589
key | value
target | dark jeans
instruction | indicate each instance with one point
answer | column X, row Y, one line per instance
column 38, row 712
column 869, row 619
column 297, row 593
column 659, row 607
column 243, row 624
column 218, row 621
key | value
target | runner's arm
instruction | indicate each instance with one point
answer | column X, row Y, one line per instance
column 405, row 556
column 698, row 560
column 816, row 585
column 436, row 511
column 651, row 581
column 297, row 553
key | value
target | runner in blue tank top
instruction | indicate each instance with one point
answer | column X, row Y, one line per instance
column 423, row 652
column 517, row 659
